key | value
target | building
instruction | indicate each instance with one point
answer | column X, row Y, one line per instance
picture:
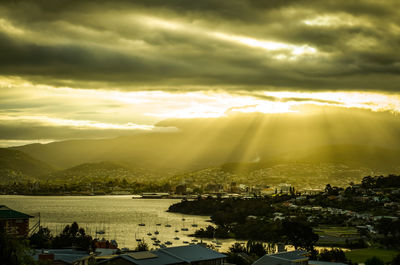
column 297, row 257
column 14, row 222
column 63, row 257
column 183, row 255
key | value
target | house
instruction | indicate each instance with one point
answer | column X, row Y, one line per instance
column 317, row 262
column 183, row 255
column 297, row 257
column 63, row 257
column 13, row 222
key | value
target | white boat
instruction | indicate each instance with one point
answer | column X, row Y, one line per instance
column 100, row 232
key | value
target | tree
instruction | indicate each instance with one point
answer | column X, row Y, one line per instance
column 374, row 261
column 256, row 248
column 41, row 239
column 396, row 260
column 73, row 235
column 336, row 255
column 142, row 246
column 14, row 251
column 299, row 234
column 237, row 248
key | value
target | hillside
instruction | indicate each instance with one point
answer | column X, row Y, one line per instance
column 246, row 144
column 15, row 164
column 99, row 171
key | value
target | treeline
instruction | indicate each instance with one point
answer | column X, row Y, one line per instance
column 381, row 182
column 291, row 232
column 93, row 187
column 249, row 219
column 71, row 236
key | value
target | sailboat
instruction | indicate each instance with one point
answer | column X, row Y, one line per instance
column 141, row 221
column 100, row 232
column 194, row 224
column 167, row 225
column 183, row 225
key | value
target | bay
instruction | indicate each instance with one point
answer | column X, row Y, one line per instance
column 117, row 216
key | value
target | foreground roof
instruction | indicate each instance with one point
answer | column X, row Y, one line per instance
column 7, row 213
column 68, row 256
column 173, row 255
column 277, row 258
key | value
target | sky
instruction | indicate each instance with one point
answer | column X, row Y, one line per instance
column 98, row 69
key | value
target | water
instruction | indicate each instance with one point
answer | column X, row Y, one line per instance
column 118, row 216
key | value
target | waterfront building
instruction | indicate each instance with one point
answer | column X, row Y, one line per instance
column 13, row 222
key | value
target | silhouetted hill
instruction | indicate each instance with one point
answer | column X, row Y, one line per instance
column 14, row 164
column 356, row 140
column 104, row 170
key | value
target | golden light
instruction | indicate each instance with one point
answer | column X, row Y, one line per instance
column 294, row 50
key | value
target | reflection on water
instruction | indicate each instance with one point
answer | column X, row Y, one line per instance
column 118, row 216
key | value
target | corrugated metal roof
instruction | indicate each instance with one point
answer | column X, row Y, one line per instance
column 66, row 255
column 276, row 258
column 290, row 255
column 174, row 255
column 193, row 253
column 7, row 213
column 161, row 259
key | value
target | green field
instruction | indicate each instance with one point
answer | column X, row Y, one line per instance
column 335, row 236
column 361, row 255
column 337, row 231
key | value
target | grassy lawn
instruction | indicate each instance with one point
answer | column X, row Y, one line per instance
column 337, row 231
column 361, row 255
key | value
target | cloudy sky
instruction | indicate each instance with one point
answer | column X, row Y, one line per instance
column 87, row 69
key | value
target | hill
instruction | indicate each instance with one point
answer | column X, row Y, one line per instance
column 245, row 143
column 100, row 172
column 15, row 164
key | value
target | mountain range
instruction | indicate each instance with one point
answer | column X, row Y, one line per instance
column 239, row 145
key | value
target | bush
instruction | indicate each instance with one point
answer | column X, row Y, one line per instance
column 374, row 261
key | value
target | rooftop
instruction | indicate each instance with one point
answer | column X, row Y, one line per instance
column 66, row 255
column 277, row 258
column 173, row 255
column 7, row 213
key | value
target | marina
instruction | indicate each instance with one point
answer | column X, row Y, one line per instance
column 118, row 218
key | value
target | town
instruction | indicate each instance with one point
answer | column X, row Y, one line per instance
column 356, row 224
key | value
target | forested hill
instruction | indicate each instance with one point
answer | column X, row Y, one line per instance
column 15, row 164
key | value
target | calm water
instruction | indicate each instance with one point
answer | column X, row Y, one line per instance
column 118, row 216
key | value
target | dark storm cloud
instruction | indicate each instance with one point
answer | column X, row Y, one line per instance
column 111, row 43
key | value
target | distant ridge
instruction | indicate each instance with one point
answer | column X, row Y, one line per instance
column 14, row 162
